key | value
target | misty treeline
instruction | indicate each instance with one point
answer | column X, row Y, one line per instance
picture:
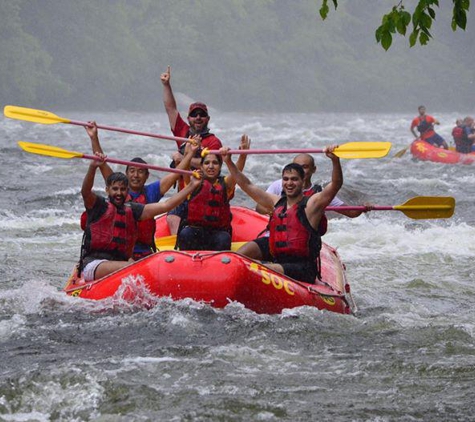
column 237, row 55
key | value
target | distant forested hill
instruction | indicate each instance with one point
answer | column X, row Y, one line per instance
column 238, row 55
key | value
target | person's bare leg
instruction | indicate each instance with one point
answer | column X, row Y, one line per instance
column 107, row 267
column 251, row 250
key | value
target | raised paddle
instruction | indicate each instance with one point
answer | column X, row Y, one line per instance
column 348, row 150
column 57, row 152
column 418, row 208
column 47, row 118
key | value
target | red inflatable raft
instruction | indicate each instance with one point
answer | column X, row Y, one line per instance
column 218, row 278
column 426, row 152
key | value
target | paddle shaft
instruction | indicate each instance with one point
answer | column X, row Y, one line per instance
column 134, row 164
column 133, row 132
column 266, row 151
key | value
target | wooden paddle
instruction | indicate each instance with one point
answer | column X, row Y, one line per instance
column 417, row 208
column 400, row 153
column 47, row 118
column 51, row 151
column 348, row 150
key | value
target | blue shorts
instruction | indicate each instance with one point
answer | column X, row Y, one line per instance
column 435, row 140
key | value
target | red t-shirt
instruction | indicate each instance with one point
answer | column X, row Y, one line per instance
column 429, row 119
column 181, row 130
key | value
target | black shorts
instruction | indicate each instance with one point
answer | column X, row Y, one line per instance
column 301, row 270
column 263, row 244
column 180, row 211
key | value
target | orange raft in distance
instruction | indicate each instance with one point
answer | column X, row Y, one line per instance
column 427, row 152
column 218, row 278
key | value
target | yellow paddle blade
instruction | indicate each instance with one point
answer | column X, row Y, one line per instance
column 423, row 207
column 399, row 154
column 166, row 243
column 48, row 150
column 363, row 150
column 32, row 115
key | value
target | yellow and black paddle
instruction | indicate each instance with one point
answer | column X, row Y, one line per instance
column 48, row 118
column 50, row 151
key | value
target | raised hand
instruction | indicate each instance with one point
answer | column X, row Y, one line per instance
column 165, row 76
column 92, row 129
column 245, row 142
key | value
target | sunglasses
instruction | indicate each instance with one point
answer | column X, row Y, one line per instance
column 197, row 113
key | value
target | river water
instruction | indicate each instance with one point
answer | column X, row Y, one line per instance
column 408, row 354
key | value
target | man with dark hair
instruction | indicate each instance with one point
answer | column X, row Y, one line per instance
column 425, row 126
column 141, row 192
column 111, row 227
column 294, row 242
column 308, row 164
column 198, row 119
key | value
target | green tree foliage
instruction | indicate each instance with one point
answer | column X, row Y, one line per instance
column 398, row 19
column 242, row 55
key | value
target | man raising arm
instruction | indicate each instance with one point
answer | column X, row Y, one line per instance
column 294, row 243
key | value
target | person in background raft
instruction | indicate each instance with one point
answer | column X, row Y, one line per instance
column 198, row 119
column 207, row 225
column 141, row 192
column 252, row 250
column 457, row 133
column 111, row 226
column 294, row 242
column 425, row 126
column 465, row 145
column 308, row 164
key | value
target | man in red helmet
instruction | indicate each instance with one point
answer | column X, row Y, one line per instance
column 198, row 119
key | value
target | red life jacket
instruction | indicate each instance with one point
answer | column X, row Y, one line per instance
column 209, row 206
column 458, row 134
column 115, row 232
column 291, row 235
column 323, row 225
column 423, row 125
column 146, row 228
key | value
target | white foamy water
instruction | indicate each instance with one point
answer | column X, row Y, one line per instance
column 407, row 355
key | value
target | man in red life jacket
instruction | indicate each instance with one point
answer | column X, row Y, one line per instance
column 425, row 126
column 294, row 241
column 253, row 249
column 111, row 226
column 141, row 192
column 308, row 164
column 198, row 119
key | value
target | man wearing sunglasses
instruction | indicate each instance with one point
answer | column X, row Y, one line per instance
column 198, row 119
